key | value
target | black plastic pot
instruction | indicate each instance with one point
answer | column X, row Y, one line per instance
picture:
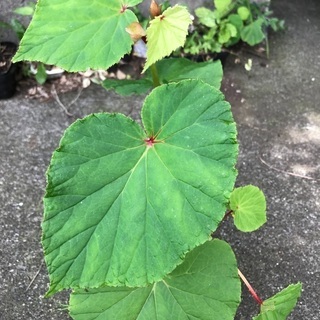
column 8, row 70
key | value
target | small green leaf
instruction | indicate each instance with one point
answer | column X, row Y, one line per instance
column 166, row 33
column 205, row 286
column 232, row 30
column 249, row 208
column 252, row 33
column 227, row 31
column 41, row 75
column 276, row 24
column 77, row 35
column 17, row 27
column 236, row 21
column 222, row 5
column 243, row 13
column 124, row 204
column 280, row 306
column 25, row 11
column 206, row 17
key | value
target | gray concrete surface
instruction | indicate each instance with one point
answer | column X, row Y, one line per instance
column 6, row 14
column 279, row 122
column 278, row 115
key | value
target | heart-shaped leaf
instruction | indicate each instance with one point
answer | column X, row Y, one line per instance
column 280, row 305
column 205, row 286
column 248, row 204
column 170, row 70
column 124, row 205
column 166, row 33
column 77, row 35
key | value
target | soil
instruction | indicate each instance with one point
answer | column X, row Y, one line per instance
column 129, row 67
column 68, row 82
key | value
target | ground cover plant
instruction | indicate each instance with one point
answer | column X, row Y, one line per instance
column 230, row 22
column 130, row 209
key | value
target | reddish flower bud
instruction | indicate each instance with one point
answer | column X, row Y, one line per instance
column 136, row 31
column 155, row 9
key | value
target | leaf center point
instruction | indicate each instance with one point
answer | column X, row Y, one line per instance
column 150, row 141
column 123, row 8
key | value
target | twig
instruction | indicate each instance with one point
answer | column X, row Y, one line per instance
column 56, row 97
column 76, row 98
column 35, row 276
column 287, row 172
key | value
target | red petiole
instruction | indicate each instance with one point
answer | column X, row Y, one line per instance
column 251, row 290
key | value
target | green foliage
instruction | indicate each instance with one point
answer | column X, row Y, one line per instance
column 206, row 17
column 173, row 24
column 230, row 22
column 27, row 10
column 41, row 75
column 252, row 33
column 16, row 25
column 249, row 208
column 19, row 29
column 129, row 210
column 84, row 25
column 280, row 305
column 243, row 13
column 222, row 7
column 114, row 189
column 205, row 286
column 170, row 70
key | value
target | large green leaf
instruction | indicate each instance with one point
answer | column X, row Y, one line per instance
column 248, row 204
column 166, row 33
column 125, row 204
column 280, row 305
column 77, row 35
column 170, row 70
column 205, row 286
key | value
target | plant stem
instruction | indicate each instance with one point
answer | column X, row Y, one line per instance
column 228, row 213
column 249, row 8
column 267, row 46
column 155, row 75
column 251, row 290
